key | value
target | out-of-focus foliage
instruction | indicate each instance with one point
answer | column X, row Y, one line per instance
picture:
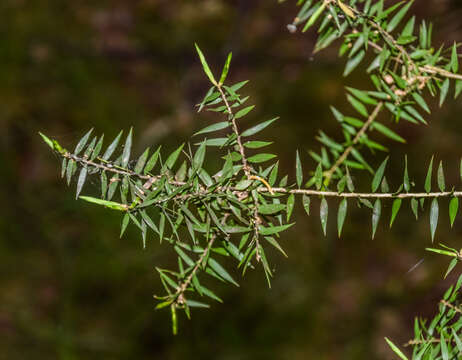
column 82, row 295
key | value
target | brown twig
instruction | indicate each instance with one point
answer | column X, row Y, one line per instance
column 179, row 295
column 328, row 174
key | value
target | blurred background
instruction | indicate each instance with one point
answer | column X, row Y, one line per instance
column 71, row 289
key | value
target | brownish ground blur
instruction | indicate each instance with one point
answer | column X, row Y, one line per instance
column 71, row 289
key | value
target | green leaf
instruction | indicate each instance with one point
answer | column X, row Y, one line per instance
column 224, row 73
column 434, row 212
column 273, row 242
column 257, row 128
column 171, row 160
column 359, row 106
column 444, row 91
column 451, row 267
column 196, row 304
column 453, row 208
column 396, row 350
column 83, row 141
column 353, row 63
column 443, row 252
column 428, row 178
column 406, row 182
column 199, row 156
column 379, row 175
column 349, row 181
column 125, row 221
column 269, row 209
column 127, row 149
column 109, row 204
column 318, row 176
column 415, row 208
column 457, row 340
column 111, row 148
column 174, row 319
column 420, row 101
column 458, row 89
column 205, row 66
column 394, row 210
column 398, row 17
column 152, row 161
column 298, row 170
column 47, row 140
column 314, row 17
column 244, row 112
column 257, row 144
column 387, row 132
column 215, row 266
column 323, row 214
column 444, row 346
column 361, row 95
column 98, row 148
column 70, row 170
column 306, row 203
column 273, row 229
column 141, row 161
column 342, row 211
column 376, row 213
column 81, row 181
column 213, row 127
column 259, row 158
column 290, row 206
column 454, row 59
column 441, row 182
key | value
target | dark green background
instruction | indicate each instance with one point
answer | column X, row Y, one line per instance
column 71, row 289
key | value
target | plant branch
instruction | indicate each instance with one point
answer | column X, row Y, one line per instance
column 180, row 299
column 265, row 189
column 245, row 163
column 357, row 138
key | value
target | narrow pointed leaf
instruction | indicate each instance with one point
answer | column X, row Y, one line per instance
column 171, row 160
column 152, row 161
column 342, row 211
column 298, row 170
column 441, row 181
column 127, row 149
column 434, row 212
column 453, row 208
column 83, row 141
column 306, row 203
column 454, row 59
column 81, row 181
column 224, row 73
column 376, row 213
column 199, row 156
column 396, row 350
column 406, row 182
column 141, row 161
column 415, row 208
column 221, row 271
column 244, row 112
column 394, row 210
column 213, row 127
column 257, row 128
column 111, row 148
column 428, row 178
column 379, row 175
column 444, row 91
column 290, row 206
column 323, row 213
column 205, row 66
column 109, row 204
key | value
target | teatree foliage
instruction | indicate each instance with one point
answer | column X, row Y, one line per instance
column 239, row 212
